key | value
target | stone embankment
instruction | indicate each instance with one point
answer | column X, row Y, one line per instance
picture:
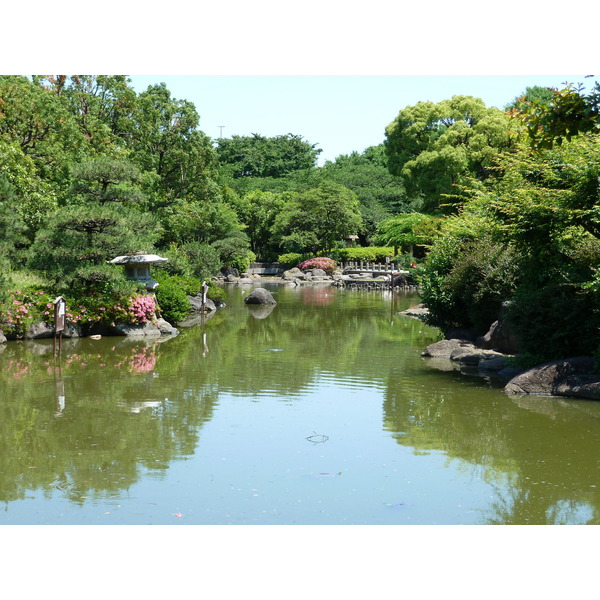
column 569, row 377
column 296, row 277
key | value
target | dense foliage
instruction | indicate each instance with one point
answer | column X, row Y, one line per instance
column 499, row 208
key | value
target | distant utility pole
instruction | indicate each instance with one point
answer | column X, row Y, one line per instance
column 220, row 130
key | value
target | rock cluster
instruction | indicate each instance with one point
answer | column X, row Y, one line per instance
column 569, row 377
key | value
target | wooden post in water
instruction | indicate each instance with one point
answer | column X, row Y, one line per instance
column 60, row 311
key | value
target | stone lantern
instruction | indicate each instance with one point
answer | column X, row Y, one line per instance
column 137, row 267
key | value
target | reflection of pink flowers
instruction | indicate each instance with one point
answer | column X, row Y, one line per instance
column 143, row 361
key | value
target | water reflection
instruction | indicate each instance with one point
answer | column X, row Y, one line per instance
column 87, row 421
column 538, row 454
column 105, row 417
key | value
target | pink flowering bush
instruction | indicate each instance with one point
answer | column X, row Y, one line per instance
column 321, row 262
column 22, row 308
column 141, row 309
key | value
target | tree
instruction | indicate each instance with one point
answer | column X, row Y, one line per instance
column 33, row 197
column 258, row 211
column 435, row 148
column 102, row 106
column 259, row 156
column 531, row 238
column 40, row 124
column 77, row 242
column 380, row 194
column 12, row 229
column 569, row 113
column 167, row 141
column 318, row 219
column 106, row 179
column 535, row 94
column 407, row 230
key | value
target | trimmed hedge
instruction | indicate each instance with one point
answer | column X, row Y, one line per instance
column 367, row 254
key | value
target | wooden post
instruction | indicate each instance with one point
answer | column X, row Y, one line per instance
column 60, row 310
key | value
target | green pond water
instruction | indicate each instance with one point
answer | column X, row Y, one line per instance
column 319, row 410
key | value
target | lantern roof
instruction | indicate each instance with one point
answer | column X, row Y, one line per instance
column 139, row 258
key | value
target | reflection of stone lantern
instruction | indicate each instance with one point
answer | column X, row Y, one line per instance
column 137, row 267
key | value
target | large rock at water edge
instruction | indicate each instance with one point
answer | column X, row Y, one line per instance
column 292, row 274
column 161, row 327
column 445, row 348
column 260, row 296
column 557, row 378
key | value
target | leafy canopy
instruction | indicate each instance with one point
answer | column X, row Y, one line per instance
column 318, row 219
column 436, row 147
column 260, row 156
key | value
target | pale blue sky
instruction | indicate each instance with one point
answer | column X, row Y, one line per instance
column 340, row 113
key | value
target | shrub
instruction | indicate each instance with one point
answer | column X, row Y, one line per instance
column 189, row 285
column 22, row 308
column 172, row 301
column 141, row 309
column 215, row 292
column 463, row 283
column 290, row 259
column 550, row 320
column 204, row 260
column 321, row 262
column 368, row 254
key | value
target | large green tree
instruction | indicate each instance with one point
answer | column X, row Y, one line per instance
column 435, row 148
column 260, row 156
column 258, row 211
column 533, row 94
column 40, row 124
column 102, row 106
column 77, row 241
column 167, row 142
column 380, row 194
column 319, row 219
column 408, row 231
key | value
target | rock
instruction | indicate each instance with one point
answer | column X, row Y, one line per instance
column 500, row 335
column 472, row 356
column 148, row 329
column 231, row 271
column 166, row 328
column 246, row 280
column 196, row 304
column 493, row 363
column 420, row 311
column 444, row 348
column 260, row 296
column 230, row 278
column 318, row 273
column 549, row 378
column 38, row 331
column 292, row 274
column 2, row 338
column 580, row 386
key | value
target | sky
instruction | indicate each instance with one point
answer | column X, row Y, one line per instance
column 339, row 113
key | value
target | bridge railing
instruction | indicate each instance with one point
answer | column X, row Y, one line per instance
column 369, row 266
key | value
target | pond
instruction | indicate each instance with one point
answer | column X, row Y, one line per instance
column 319, row 410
